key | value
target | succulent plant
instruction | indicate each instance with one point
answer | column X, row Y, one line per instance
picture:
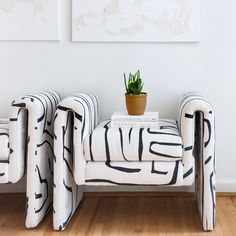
column 134, row 85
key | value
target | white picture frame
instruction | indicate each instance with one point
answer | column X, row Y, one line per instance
column 136, row 20
column 29, row 20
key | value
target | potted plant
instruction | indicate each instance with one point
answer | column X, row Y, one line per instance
column 135, row 97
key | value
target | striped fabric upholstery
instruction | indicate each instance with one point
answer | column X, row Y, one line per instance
column 197, row 126
column 134, row 173
column 30, row 135
column 134, row 144
column 4, row 150
column 105, row 157
column 75, row 118
column 12, row 149
column 137, row 156
column 4, row 140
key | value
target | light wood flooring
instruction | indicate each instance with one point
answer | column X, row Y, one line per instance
column 123, row 215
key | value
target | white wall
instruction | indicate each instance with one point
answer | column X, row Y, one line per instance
column 169, row 70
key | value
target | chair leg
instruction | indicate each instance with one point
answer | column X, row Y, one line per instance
column 205, row 192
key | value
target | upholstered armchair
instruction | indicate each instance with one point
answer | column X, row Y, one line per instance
column 177, row 153
column 26, row 147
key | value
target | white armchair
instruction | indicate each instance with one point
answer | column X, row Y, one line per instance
column 176, row 155
column 26, row 146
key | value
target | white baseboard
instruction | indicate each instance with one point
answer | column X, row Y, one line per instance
column 222, row 185
column 226, row 185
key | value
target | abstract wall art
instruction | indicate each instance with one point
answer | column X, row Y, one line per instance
column 29, row 20
column 136, row 20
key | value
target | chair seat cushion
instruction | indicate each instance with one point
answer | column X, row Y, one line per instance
column 134, row 144
column 4, row 139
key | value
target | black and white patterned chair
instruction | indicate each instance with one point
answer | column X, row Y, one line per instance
column 176, row 154
column 26, row 146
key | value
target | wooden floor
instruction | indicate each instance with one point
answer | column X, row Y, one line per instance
column 142, row 215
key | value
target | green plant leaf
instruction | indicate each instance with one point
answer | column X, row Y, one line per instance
column 125, row 81
column 135, row 83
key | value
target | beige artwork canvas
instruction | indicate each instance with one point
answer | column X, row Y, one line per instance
column 136, row 20
column 29, row 20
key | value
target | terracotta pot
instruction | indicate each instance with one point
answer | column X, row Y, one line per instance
column 136, row 104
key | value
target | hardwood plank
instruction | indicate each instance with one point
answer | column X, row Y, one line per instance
column 123, row 215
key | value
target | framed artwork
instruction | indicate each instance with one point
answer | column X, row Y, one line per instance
column 136, row 20
column 29, row 20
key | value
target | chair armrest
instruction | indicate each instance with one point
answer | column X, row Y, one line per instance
column 30, row 122
column 75, row 118
column 18, row 129
column 31, row 136
column 197, row 127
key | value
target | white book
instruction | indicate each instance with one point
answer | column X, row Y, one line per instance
column 141, row 124
column 125, row 117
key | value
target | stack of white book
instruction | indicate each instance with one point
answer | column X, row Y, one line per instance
column 123, row 120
